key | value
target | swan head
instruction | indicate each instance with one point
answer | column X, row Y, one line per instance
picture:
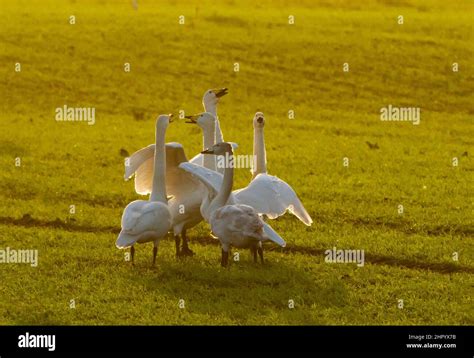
column 219, row 149
column 211, row 97
column 163, row 120
column 203, row 120
column 258, row 120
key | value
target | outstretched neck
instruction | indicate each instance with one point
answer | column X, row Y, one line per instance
column 209, row 133
column 212, row 108
column 219, row 136
column 259, row 154
column 158, row 192
column 226, row 187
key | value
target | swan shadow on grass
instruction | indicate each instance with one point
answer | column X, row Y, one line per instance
column 408, row 227
column 68, row 225
column 375, row 259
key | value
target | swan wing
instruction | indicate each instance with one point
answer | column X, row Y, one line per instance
column 197, row 159
column 141, row 216
column 178, row 182
column 238, row 219
column 137, row 159
column 272, row 196
column 211, row 179
column 144, row 177
column 141, row 163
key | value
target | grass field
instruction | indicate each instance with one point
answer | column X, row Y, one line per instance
column 283, row 67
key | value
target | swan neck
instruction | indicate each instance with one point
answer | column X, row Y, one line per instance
column 259, row 153
column 219, row 136
column 209, row 161
column 212, row 108
column 158, row 191
column 226, row 187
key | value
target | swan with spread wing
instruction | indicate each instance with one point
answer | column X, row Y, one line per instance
column 185, row 191
column 140, row 163
column 267, row 194
column 233, row 224
column 278, row 195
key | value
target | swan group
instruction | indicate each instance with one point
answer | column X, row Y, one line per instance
column 183, row 193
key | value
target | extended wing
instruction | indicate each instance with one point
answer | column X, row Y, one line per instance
column 272, row 196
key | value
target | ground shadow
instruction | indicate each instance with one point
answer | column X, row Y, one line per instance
column 439, row 267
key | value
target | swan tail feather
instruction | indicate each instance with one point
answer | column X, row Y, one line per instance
column 272, row 235
column 124, row 240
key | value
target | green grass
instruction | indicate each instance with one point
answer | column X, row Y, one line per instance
column 282, row 67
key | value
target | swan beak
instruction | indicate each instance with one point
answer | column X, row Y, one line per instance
column 208, row 151
column 220, row 92
column 192, row 119
column 170, row 116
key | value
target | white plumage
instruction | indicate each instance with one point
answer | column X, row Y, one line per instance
column 198, row 189
column 279, row 196
column 234, row 224
column 142, row 220
column 185, row 191
column 140, row 163
column 271, row 196
column 267, row 194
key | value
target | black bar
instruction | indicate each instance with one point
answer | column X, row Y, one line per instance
column 370, row 339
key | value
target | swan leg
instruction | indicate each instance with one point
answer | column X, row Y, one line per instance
column 132, row 254
column 224, row 258
column 260, row 253
column 253, row 250
column 177, row 241
column 185, row 250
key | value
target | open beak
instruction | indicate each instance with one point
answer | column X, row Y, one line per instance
column 220, row 92
column 208, row 151
column 192, row 119
column 170, row 116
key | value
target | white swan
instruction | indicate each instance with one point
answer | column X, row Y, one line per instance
column 139, row 162
column 235, row 224
column 210, row 99
column 279, row 196
column 149, row 220
column 185, row 191
column 267, row 194
column 207, row 122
